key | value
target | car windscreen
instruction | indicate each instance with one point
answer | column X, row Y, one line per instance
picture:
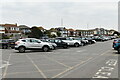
column 11, row 41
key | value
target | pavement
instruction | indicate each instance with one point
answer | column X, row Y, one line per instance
column 97, row 60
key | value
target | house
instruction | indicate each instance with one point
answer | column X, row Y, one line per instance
column 11, row 30
column 63, row 31
column 71, row 32
column 93, row 32
column 24, row 29
column 2, row 29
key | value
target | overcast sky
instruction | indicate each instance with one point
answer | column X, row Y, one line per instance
column 76, row 15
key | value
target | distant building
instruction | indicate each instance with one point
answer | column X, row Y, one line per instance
column 24, row 29
column 93, row 32
column 71, row 32
column 10, row 28
column 2, row 29
column 63, row 31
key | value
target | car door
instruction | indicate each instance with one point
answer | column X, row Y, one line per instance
column 29, row 43
column 58, row 42
column 36, row 43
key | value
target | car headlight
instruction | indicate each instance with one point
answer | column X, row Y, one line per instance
column 68, row 43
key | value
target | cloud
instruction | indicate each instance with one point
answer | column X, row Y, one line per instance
column 48, row 14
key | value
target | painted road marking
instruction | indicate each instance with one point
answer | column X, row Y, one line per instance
column 71, row 68
column 106, row 69
column 111, row 62
column 67, row 70
column 4, row 65
column 81, row 50
column 39, row 70
column 98, row 76
column 105, row 72
column 57, row 61
column 5, row 71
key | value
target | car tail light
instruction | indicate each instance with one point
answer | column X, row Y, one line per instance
column 116, row 42
column 17, row 43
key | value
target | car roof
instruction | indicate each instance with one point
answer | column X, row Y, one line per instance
column 117, row 39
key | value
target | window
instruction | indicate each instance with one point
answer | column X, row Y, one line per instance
column 23, row 40
column 33, row 41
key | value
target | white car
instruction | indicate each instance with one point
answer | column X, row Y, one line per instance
column 70, row 41
column 53, row 44
column 32, row 44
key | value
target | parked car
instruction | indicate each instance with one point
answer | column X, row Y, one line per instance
column 59, row 43
column 113, row 37
column 32, row 44
column 53, row 44
column 7, row 43
column 90, row 40
column 99, row 39
column 70, row 41
column 116, row 45
column 83, row 42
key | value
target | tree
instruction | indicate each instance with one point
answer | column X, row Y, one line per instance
column 5, row 36
column 53, row 36
column 48, row 33
column 36, row 33
column 116, row 33
column 58, row 34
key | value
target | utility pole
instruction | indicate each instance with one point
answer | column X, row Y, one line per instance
column 61, row 21
column 87, row 28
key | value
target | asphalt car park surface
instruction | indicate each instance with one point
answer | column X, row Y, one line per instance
column 97, row 60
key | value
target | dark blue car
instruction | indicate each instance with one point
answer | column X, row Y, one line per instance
column 116, row 45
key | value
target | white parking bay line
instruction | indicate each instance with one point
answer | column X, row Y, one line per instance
column 81, row 50
column 4, row 64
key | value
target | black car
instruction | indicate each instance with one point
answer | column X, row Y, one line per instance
column 90, row 40
column 99, row 39
column 59, row 43
column 7, row 43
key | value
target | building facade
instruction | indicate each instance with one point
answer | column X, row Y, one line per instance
column 2, row 29
column 24, row 29
column 63, row 31
column 11, row 28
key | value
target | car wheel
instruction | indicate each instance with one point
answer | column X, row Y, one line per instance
column 54, row 47
column 5, row 47
column 82, row 44
column 21, row 49
column 65, row 46
column 119, row 50
column 76, row 45
column 45, row 49
column 12, row 47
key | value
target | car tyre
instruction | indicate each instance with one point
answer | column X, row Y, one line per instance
column 119, row 50
column 54, row 47
column 12, row 47
column 76, row 44
column 65, row 46
column 21, row 49
column 82, row 44
column 45, row 48
column 5, row 46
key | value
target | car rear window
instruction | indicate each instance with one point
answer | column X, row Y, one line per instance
column 23, row 40
column 11, row 40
